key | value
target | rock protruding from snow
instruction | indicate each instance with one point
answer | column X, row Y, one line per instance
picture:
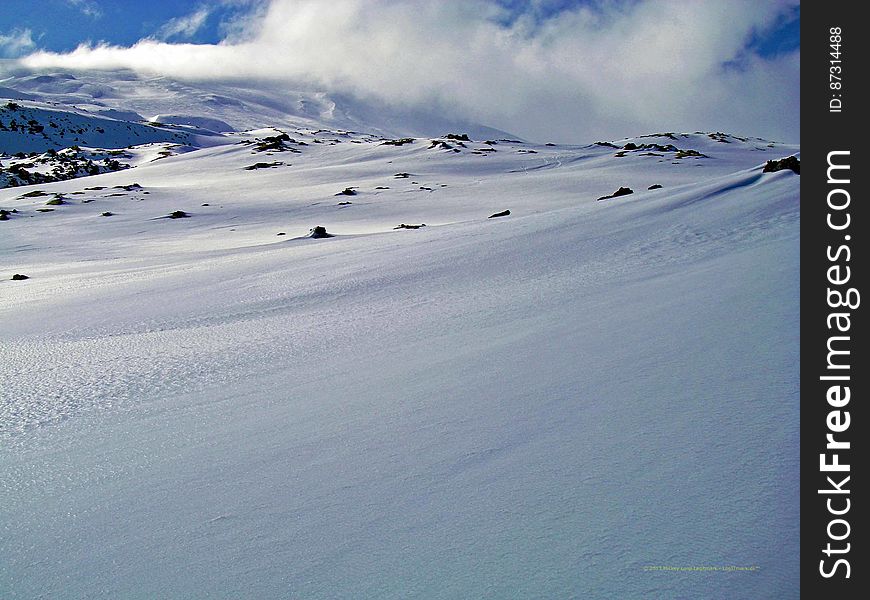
column 263, row 165
column 319, row 232
column 53, row 165
column 792, row 163
column 398, row 142
column 622, row 191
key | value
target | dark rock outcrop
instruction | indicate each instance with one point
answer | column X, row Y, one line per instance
column 263, row 165
column 406, row 226
column 319, row 232
column 622, row 191
column 792, row 163
column 398, row 142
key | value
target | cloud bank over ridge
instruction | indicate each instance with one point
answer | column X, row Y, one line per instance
column 599, row 69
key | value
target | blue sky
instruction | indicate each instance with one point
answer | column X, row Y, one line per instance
column 61, row 25
column 555, row 69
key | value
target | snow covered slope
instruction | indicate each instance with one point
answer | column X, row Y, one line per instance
column 35, row 127
column 545, row 404
column 210, row 103
column 103, row 111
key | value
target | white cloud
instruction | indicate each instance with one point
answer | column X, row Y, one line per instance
column 616, row 69
column 184, row 27
column 242, row 22
column 88, row 7
column 16, row 43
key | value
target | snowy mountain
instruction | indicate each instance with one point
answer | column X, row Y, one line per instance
column 202, row 399
column 224, row 106
column 34, row 127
